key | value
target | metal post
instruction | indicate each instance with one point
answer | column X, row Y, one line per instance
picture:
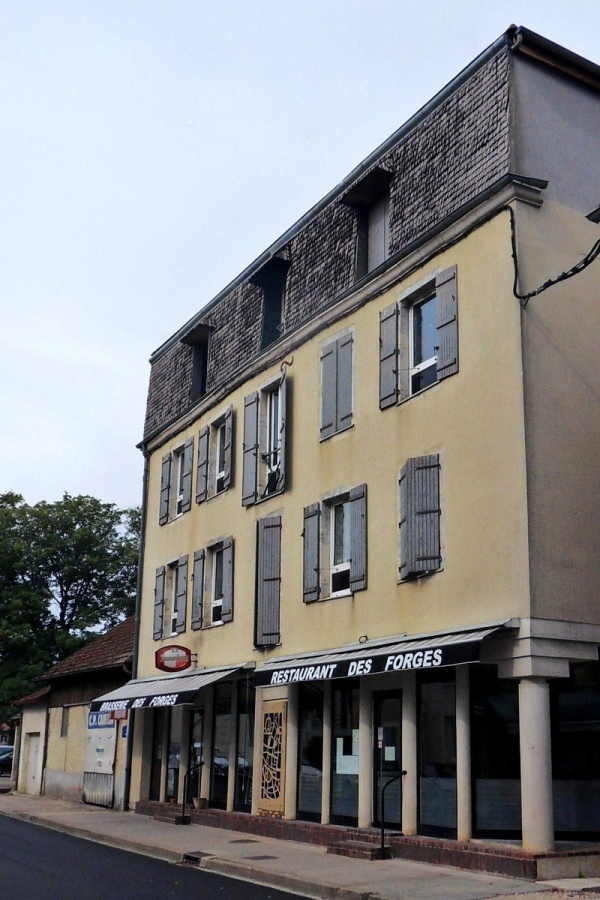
column 383, row 790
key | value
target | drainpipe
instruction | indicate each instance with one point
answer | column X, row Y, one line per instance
column 136, row 638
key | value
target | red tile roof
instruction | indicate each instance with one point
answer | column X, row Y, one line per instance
column 36, row 697
column 115, row 648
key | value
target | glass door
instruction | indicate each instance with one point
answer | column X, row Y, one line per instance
column 387, row 758
column 195, row 753
column 344, row 754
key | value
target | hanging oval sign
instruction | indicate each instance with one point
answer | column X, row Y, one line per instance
column 173, row 658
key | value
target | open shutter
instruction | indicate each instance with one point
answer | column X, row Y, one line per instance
column 388, row 356
column 311, row 557
column 358, row 538
column 159, row 602
column 227, row 605
column 268, row 583
column 228, row 473
column 420, row 516
column 344, row 382
column 283, row 411
column 250, row 450
column 165, row 489
column 188, row 461
column 447, row 328
column 328, row 390
column 202, row 467
column 181, row 575
column 198, row 590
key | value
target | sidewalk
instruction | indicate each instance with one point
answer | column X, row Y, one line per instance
column 303, row 868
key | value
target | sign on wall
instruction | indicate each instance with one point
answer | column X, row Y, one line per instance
column 173, row 658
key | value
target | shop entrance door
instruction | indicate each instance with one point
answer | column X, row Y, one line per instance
column 195, row 753
column 387, row 757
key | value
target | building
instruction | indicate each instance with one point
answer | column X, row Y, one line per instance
column 370, row 512
column 66, row 751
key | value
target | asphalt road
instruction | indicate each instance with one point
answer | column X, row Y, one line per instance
column 40, row 864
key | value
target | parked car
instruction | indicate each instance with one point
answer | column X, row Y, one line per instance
column 6, row 759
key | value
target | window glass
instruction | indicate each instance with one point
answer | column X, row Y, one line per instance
column 217, row 594
column 340, row 547
column 245, row 746
column 273, row 430
column 220, row 458
column 437, row 755
column 424, row 344
column 221, row 745
column 344, row 754
column 310, row 752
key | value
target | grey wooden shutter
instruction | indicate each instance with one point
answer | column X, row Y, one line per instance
column 268, row 582
column 159, row 602
column 227, row 605
column 198, row 590
column 420, row 516
column 388, row 356
column 311, row 554
column 447, row 328
column 202, row 467
column 328, row 390
column 188, row 461
column 228, row 473
column 283, row 411
column 358, row 538
column 250, row 450
column 344, row 382
column 165, row 489
column 181, row 575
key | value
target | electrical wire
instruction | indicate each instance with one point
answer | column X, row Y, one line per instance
column 575, row 270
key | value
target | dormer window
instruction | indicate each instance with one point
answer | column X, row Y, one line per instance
column 271, row 279
column 198, row 339
column 370, row 197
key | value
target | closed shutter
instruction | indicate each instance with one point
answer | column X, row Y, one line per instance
column 420, row 516
column 159, row 602
column 311, row 556
column 198, row 590
column 181, row 574
column 358, row 538
column 250, row 450
column 228, row 472
column 188, row 461
column 447, row 328
column 165, row 489
column 283, row 412
column 227, row 605
column 388, row 356
column 202, row 468
column 344, row 382
column 268, row 583
column 328, row 390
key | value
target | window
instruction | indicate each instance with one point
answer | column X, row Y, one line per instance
column 64, row 721
column 419, row 485
column 198, row 339
column 212, row 602
column 265, row 415
column 336, row 386
column 214, row 473
column 176, row 482
column 335, row 532
column 268, row 582
column 170, row 599
column 370, row 197
column 271, row 279
column 418, row 339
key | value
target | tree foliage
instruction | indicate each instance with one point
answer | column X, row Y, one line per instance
column 68, row 569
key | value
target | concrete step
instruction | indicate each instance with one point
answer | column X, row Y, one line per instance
column 358, row 849
column 173, row 819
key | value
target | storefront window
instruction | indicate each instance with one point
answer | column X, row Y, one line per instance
column 158, row 739
column 310, row 752
column 195, row 753
column 437, row 754
column 221, row 745
column 174, row 753
column 387, row 758
column 495, row 755
column 245, row 746
column 344, row 754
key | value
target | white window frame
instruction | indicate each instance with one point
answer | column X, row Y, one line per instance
column 215, row 602
column 218, row 430
column 327, row 541
column 178, row 480
column 417, row 368
column 336, row 569
column 269, row 437
column 171, row 590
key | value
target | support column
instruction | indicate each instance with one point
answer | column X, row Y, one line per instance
column 326, row 777
column 536, row 765
column 463, row 754
column 365, row 756
column 258, row 750
column 409, row 753
column 291, row 765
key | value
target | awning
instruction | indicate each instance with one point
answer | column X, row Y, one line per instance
column 430, row 651
column 168, row 690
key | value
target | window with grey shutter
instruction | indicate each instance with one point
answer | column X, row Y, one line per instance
column 268, row 582
column 311, row 554
column 188, row 461
column 250, row 450
column 181, row 575
column 336, row 386
column 358, row 538
column 227, row 604
column 283, row 407
column 344, row 382
column 159, row 602
column 328, row 389
column 420, row 516
column 388, row 356
column 228, row 470
column 197, row 590
column 447, row 327
column 202, row 467
column 165, row 489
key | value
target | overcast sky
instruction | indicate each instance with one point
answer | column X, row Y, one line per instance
column 151, row 149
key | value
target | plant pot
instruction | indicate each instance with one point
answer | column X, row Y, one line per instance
column 200, row 802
